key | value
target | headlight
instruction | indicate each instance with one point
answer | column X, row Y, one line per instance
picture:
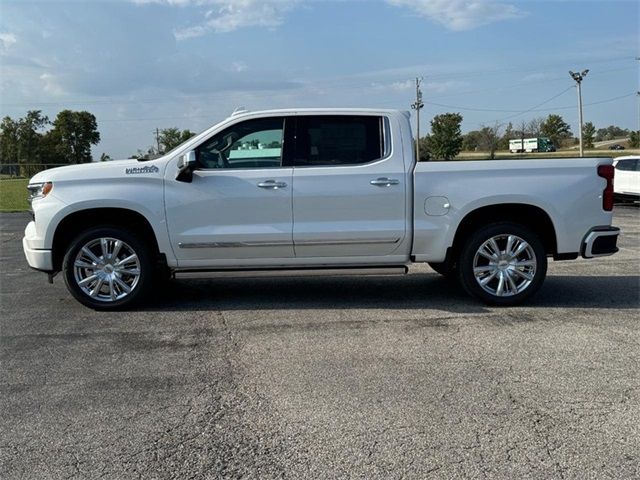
column 39, row 190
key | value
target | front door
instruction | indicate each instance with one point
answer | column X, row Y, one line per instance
column 239, row 204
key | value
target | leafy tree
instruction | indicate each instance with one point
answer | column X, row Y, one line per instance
column 634, row 139
column 610, row 133
column 509, row 134
column 588, row 135
column 556, row 129
column 20, row 140
column 105, row 158
column 425, row 154
column 471, row 140
column 149, row 154
column 170, row 138
column 445, row 141
column 9, row 141
column 72, row 135
column 490, row 138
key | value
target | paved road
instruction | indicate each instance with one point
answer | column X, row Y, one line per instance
column 384, row 377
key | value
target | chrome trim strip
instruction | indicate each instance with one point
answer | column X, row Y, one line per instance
column 292, row 272
column 592, row 237
column 303, row 243
column 285, row 243
column 373, row 241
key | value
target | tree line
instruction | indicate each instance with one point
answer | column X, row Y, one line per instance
column 167, row 139
column 446, row 140
column 68, row 139
column 35, row 139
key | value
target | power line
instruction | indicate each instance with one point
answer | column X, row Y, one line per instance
column 517, row 112
column 538, row 105
column 357, row 84
column 534, row 109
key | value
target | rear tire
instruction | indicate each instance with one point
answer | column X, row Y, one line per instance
column 108, row 268
column 502, row 264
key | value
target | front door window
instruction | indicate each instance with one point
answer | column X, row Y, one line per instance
column 250, row 144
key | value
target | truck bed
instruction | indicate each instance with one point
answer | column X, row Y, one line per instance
column 568, row 190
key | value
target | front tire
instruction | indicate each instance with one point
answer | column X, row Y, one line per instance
column 108, row 268
column 502, row 264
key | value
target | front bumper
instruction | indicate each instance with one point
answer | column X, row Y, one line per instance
column 600, row 242
column 38, row 258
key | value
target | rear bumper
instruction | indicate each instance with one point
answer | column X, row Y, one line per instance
column 600, row 242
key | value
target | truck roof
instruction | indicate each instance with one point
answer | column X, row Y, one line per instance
column 324, row 110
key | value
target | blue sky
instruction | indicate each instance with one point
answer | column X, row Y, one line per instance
column 142, row 64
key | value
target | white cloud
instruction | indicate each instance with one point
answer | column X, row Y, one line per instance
column 446, row 86
column 461, row 14
column 228, row 15
column 7, row 40
column 179, row 3
column 50, row 84
column 239, row 66
column 402, row 85
column 536, row 77
column 407, row 85
column 224, row 16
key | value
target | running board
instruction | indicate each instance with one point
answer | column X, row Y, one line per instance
column 292, row 272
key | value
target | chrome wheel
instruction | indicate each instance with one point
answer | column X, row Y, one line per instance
column 504, row 265
column 106, row 269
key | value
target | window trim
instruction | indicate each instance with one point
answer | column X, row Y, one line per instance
column 385, row 137
column 286, row 120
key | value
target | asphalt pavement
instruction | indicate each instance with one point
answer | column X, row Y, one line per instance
column 339, row 377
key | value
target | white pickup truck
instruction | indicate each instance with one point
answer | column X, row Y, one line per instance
column 314, row 191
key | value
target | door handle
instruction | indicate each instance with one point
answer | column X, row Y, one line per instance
column 272, row 184
column 384, row 182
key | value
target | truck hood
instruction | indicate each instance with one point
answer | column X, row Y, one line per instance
column 95, row 170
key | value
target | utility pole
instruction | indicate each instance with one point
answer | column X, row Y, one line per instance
column 638, row 95
column 578, row 77
column 417, row 106
column 158, row 139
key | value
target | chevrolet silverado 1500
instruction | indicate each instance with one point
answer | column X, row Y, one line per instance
column 314, row 191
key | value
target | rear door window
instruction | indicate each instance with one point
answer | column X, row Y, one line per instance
column 334, row 140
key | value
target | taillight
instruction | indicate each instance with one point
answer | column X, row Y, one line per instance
column 607, row 172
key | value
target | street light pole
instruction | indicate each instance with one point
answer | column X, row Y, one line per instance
column 417, row 106
column 578, row 77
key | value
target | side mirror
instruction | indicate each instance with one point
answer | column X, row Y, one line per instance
column 186, row 166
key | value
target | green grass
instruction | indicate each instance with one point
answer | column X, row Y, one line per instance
column 13, row 195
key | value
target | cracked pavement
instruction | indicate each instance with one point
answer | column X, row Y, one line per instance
column 343, row 377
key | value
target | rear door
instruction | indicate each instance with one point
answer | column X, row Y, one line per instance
column 349, row 195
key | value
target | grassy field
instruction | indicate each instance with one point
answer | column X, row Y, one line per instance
column 13, row 195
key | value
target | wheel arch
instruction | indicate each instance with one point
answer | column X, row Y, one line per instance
column 524, row 214
column 76, row 222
